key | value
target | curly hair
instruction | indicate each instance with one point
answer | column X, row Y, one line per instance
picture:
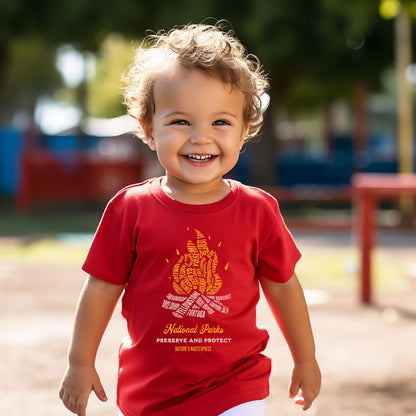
column 205, row 47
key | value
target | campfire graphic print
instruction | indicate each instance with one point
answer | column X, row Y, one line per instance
column 196, row 282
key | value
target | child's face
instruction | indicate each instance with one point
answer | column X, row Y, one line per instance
column 197, row 128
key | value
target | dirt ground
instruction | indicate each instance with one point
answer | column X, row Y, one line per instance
column 367, row 353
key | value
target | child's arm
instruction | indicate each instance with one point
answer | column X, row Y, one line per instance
column 288, row 305
column 95, row 307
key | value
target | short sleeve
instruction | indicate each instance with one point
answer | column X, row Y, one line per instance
column 279, row 254
column 112, row 252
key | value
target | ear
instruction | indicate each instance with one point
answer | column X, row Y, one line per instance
column 244, row 132
column 148, row 134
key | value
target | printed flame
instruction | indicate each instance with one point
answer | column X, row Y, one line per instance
column 196, row 270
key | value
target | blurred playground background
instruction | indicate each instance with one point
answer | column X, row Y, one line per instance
column 340, row 74
column 341, row 104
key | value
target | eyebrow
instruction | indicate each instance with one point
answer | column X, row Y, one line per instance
column 227, row 113
column 175, row 114
column 183, row 114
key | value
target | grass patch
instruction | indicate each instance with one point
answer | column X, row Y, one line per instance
column 332, row 269
column 338, row 268
column 73, row 219
column 46, row 251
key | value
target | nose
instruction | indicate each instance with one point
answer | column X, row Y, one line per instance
column 200, row 136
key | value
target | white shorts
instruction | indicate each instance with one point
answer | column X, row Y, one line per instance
column 254, row 408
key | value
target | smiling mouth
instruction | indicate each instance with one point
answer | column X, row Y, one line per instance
column 199, row 158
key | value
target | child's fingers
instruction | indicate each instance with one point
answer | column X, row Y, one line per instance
column 304, row 399
column 299, row 399
column 76, row 388
column 308, row 398
column 294, row 387
column 305, row 384
column 75, row 402
column 67, row 401
column 99, row 391
column 304, row 402
column 77, row 405
column 80, row 406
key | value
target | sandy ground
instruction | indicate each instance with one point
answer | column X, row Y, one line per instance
column 367, row 353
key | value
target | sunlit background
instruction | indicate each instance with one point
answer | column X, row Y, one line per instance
column 332, row 65
column 341, row 104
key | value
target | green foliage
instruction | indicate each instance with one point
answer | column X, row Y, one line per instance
column 330, row 44
column 339, row 41
column 104, row 90
column 30, row 73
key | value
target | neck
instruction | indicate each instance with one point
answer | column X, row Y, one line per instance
column 195, row 194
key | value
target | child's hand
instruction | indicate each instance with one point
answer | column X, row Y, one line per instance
column 77, row 385
column 305, row 383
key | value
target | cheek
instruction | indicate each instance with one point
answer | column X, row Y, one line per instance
column 166, row 147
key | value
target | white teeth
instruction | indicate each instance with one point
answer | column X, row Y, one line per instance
column 199, row 157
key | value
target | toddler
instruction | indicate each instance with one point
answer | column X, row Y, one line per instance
column 188, row 251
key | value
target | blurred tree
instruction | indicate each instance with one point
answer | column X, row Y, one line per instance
column 314, row 52
column 83, row 24
column 323, row 40
column 30, row 73
column 104, row 90
column 324, row 47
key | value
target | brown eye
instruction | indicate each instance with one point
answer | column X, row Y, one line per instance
column 221, row 123
column 180, row 122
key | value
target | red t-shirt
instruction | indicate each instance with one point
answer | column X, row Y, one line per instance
column 191, row 292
